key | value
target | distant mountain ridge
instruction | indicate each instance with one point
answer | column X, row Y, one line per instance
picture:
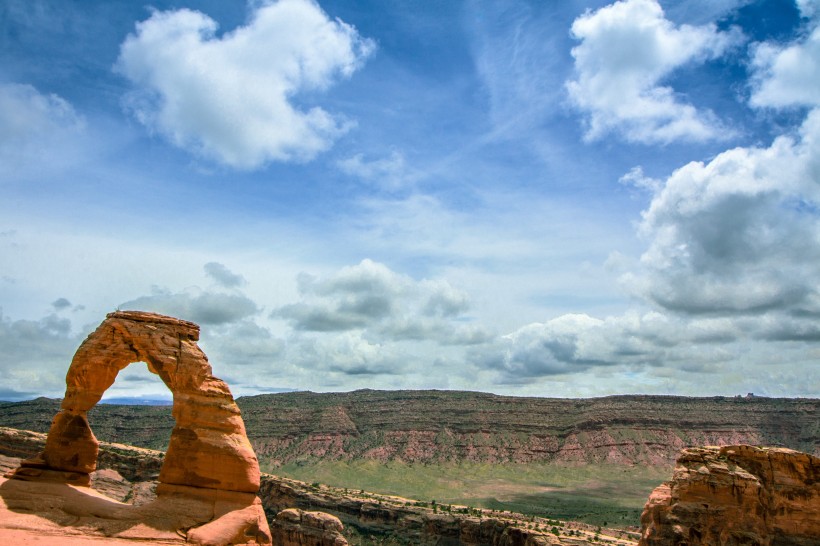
column 137, row 401
column 454, row 426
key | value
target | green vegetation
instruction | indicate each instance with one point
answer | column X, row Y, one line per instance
column 596, row 494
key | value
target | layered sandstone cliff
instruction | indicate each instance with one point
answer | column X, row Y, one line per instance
column 441, row 426
column 736, row 495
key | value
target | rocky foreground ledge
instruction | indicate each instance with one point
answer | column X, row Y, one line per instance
column 736, row 495
column 128, row 475
column 718, row 496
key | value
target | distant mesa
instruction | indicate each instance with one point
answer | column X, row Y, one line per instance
column 137, row 401
column 210, row 476
column 736, row 495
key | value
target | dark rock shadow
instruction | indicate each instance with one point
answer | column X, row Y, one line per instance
column 70, row 506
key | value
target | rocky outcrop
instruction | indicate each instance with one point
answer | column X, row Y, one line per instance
column 209, row 461
column 736, row 495
column 134, row 464
column 403, row 520
column 382, row 518
column 294, row 527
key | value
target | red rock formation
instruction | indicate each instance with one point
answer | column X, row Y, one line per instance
column 294, row 527
column 397, row 519
column 209, row 457
column 736, row 495
column 392, row 519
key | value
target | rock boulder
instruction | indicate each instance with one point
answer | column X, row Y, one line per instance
column 736, row 495
column 294, row 527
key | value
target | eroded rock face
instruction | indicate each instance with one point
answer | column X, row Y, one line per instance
column 394, row 521
column 294, row 527
column 209, row 456
column 736, row 495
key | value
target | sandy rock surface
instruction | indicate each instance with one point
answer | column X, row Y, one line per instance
column 294, row 527
column 732, row 495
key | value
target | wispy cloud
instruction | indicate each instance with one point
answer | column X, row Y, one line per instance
column 389, row 173
column 34, row 125
column 519, row 64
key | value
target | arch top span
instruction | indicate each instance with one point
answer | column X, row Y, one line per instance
column 190, row 329
column 209, row 447
column 166, row 344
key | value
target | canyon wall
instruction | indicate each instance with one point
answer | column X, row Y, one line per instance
column 442, row 426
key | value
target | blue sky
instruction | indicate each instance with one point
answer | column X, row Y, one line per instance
column 536, row 198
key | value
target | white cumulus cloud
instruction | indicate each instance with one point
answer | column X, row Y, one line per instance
column 210, row 308
column 787, row 76
column 626, row 50
column 231, row 97
column 369, row 297
column 242, row 343
column 575, row 343
column 348, row 354
column 739, row 234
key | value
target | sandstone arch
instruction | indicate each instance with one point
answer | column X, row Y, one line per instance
column 208, row 447
column 210, row 475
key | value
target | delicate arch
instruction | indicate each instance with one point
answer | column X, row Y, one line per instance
column 208, row 447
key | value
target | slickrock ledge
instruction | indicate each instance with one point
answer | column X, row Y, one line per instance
column 736, row 495
column 294, row 527
column 210, row 464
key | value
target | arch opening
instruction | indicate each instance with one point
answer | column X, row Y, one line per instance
column 137, row 385
column 133, row 411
